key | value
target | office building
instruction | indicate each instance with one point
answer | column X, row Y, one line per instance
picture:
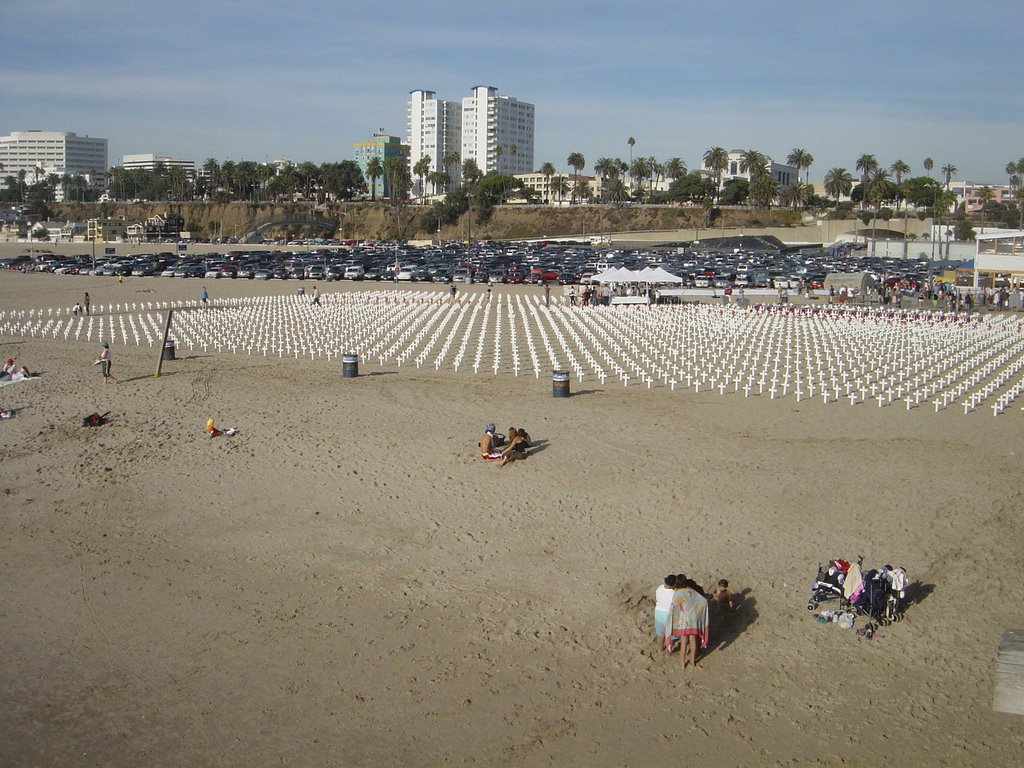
column 41, row 153
column 380, row 146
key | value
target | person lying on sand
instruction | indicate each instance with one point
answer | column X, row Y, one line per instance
column 214, row 432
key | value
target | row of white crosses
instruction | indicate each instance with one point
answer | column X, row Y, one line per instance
column 839, row 354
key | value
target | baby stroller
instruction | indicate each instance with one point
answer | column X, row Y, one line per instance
column 829, row 584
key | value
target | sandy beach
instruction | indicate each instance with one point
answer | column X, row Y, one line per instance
column 346, row 583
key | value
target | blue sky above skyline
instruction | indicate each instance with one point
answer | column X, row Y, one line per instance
column 304, row 80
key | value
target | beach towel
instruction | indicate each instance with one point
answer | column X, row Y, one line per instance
column 688, row 615
column 5, row 382
column 853, row 581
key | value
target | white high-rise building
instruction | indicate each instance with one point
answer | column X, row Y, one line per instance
column 433, row 129
column 46, row 152
column 497, row 132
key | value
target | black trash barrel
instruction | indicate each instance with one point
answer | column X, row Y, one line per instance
column 168, row 353
column 559, row 383
column 349, row 366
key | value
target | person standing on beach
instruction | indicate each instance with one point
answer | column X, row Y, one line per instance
column 547, row 294
column 105, row 363
column 204, row 297
column 88, row 303
column 316, row 296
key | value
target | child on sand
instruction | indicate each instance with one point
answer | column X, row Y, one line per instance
column 722, row 595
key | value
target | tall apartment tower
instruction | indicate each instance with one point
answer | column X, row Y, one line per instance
column 497, row 131
column 433, row 129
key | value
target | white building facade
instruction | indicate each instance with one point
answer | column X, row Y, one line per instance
column 44, row 152
column 785, row 175
column 497, row 132
column 149, row 162
column 433, row 129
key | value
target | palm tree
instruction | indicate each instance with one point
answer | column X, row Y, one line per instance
column 639, row 170
column 548, row 170
column 675, row 168
column 899, row 169
column 632, row 143
column 577, row 162
column 374, row 169
column 606, row 168
column 986, row 195
column 717, row 159
column 763, row 191
column 949, row 171
column 796, row 195
column 450, row 160
column 876, row 190
column 437, row 180
column 560, row 186
column 838, row 182
column 866, row 164
column 421, row 169
column 928, row 165
column 801, row 159
column 656, row 171
column 617, row 191
column 753, row 163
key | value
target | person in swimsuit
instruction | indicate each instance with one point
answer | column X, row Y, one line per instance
column 488, row 444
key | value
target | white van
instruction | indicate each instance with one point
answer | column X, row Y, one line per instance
column 354, row 272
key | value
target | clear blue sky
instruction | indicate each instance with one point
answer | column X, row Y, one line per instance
column 305, row 79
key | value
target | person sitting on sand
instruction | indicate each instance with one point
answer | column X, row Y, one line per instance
column 9, row 368
column 722, row 595
column 688, row 621
column 489, row 446
column 518, row 442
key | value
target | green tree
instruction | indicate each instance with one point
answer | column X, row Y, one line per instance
column 547, row 170
column 764, row 190
column 375, row 170
column 801, row 159
column 986, row 196
column 632, row 143
column 717, row 159
column 949, row 171
column 639, row 169
column 866, row 164
column 577, row 162
column 928, row 165
column 437, row 180
column 560, row 186
column 471, row 173
column 755, row 164
column 675, row 168
column 421, row 169
column 838, row 182
column 692, row 187
column 450, row 160
column 877, row 190
column 735, row 192
column 796, row 195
